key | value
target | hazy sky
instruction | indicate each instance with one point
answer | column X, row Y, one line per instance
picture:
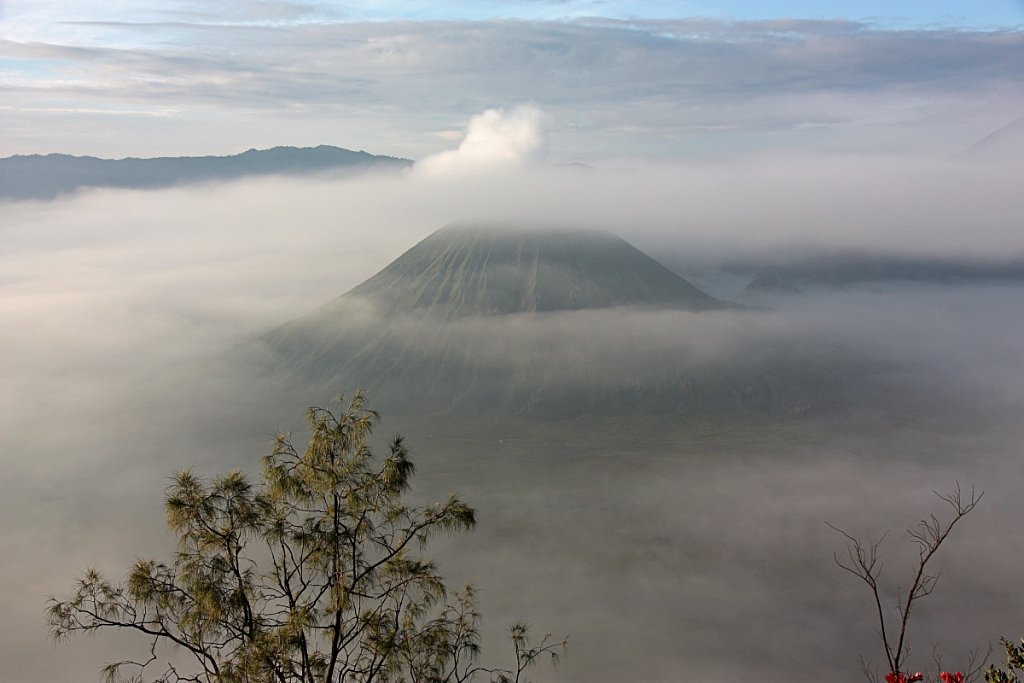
column 642, row 79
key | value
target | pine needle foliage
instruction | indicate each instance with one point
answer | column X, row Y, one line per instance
column 315, row 574
column 1014, row 671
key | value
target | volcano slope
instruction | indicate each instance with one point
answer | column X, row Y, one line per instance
column 556, row 324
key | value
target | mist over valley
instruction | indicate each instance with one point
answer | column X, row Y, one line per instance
column 653, row 471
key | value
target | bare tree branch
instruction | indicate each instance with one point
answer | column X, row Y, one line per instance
column 861, row 559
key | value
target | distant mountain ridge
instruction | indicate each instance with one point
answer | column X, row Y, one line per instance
column 846, row 269
column 1006, row 144
column 48, row 176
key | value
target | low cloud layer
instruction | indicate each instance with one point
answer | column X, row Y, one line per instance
column 721, row 210
column 121, row 307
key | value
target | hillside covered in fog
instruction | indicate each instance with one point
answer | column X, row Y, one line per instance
column 37, row 176
column 556, row 323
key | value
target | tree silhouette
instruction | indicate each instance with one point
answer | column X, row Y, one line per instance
column 314, row 575
column 861, row 559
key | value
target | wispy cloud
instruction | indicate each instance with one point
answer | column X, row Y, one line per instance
column 665, row 87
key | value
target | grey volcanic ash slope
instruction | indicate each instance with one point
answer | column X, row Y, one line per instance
column 556, row 323
column 467, row 271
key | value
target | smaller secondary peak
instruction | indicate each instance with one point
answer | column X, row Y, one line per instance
column 478, row 270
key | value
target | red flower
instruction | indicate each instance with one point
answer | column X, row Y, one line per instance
column 948, row 677
column 895, row 677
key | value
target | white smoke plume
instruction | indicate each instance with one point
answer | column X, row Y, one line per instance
column 494, row 139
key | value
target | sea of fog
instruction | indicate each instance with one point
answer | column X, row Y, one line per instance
column 665, row 553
